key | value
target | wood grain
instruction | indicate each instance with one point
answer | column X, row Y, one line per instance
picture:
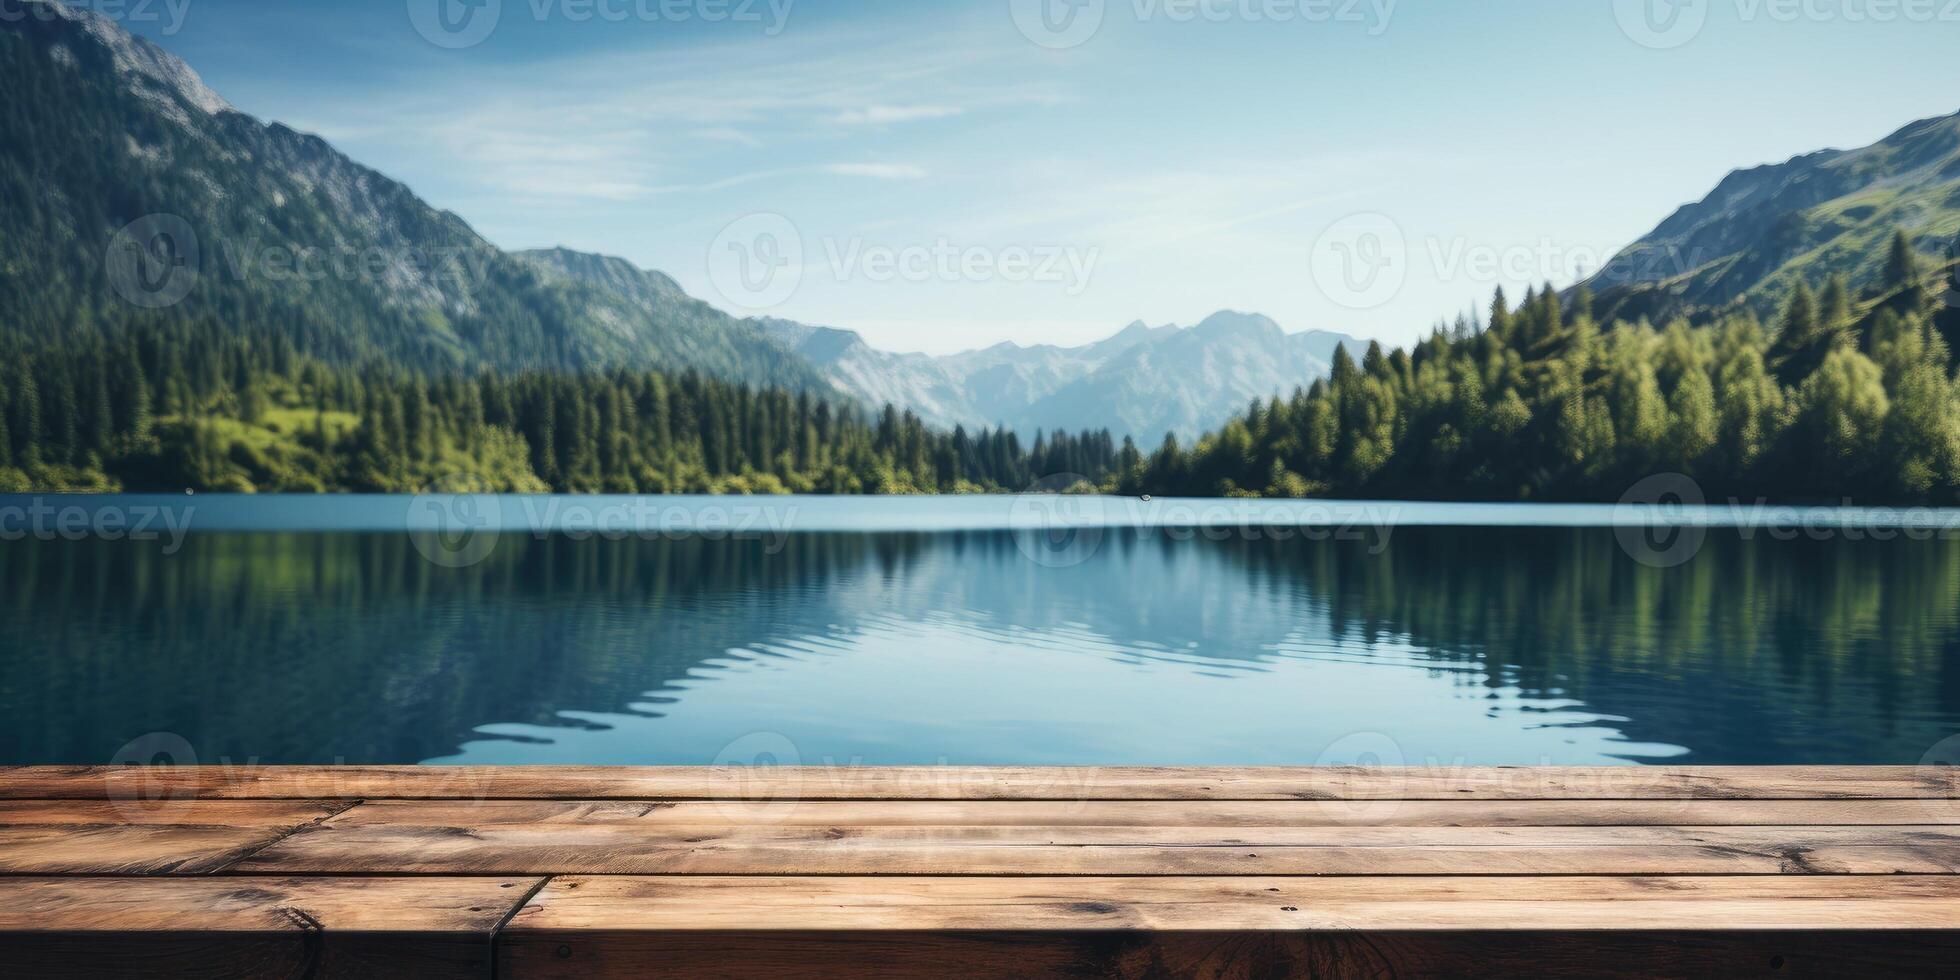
column 135, row 849
column 947, row 783
column 626, row 848
column 128, row 837
column 214, row 813
column 250, row 927
column 1199, row 904
column 1154, row 813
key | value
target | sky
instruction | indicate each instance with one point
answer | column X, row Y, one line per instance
column 951, row 174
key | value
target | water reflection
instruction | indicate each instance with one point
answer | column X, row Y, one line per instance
column 1513, row 645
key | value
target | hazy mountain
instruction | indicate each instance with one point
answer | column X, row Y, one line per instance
column 1762, row 230
column 264, row 228
column 1189, row 381
column 1143, row 382
column 924, row 384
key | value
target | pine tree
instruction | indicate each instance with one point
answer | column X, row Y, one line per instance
column 1500, row 317
column 1834, row 306
column 140, row 419
column 1553, row 312
column 1800, row 318
column 1901, row 264
column 1343, row 370
column 100, row 429
column 1794, row 354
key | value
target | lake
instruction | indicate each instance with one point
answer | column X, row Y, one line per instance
column 970, row 631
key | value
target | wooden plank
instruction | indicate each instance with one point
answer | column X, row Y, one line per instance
column 141, row 927
column 129, row 837
column 950, row 783
column 1151, row 813
column 571, row 905
column 1140, row 955
column 376, row 821
column 134, row 849
column 210, row 813
column 1152, row 927
column 630, row 848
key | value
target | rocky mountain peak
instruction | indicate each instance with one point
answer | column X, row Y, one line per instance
column 150, row 71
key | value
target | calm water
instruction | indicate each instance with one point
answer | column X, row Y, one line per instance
column 1431, row 644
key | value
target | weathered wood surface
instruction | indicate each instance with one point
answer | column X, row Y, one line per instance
column 253, row 926
column 1204, row 904
column 1149, row 813
column 977, row 872
column 627, row 848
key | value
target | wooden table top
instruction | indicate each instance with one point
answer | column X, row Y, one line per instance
column 1005, row 871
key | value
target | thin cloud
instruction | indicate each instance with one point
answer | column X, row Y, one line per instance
column 877, row 171
column 618, row 127
column 887, row 115
column 728, row 134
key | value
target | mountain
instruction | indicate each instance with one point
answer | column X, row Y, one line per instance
column 252, row 224
column 1764, row 229
column 1189, row 381
column 131, row 194
column 1143, row 382
column 926, row 385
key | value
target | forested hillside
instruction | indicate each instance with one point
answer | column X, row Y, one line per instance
column 265, row 228
column 1763, row 230
column 1845, row 396
column 207, row 408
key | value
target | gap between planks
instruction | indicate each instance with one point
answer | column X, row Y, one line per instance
column 255, row 852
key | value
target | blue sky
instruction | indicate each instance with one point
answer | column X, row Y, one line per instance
column 949, row 183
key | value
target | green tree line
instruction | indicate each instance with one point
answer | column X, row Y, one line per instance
column 1847, row 396
column 197, row 406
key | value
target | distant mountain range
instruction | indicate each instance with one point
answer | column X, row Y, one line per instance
column 1144, row 382
column 102, row 129
column 1764, row 229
